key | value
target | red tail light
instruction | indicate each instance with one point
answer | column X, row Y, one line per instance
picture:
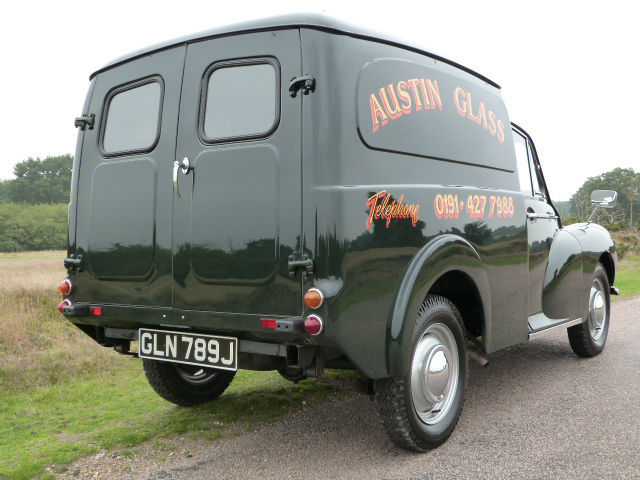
column 268, row 323
column 313, row 324
column 95, row 311
column 64, row 303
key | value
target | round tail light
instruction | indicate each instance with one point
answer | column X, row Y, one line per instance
column 65, row 287
column 313, row 324
column 64, row 303
column 314, row 298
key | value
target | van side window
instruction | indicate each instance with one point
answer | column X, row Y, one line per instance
column 520, row 144
column 537, row 184
column 240, row 101
column 132, row 118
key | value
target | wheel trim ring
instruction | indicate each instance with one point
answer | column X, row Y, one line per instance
column 435, row 336
column 598, row 314
column 200, row 376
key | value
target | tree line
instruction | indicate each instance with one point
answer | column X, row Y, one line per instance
column 33, row 205
column 626, row 214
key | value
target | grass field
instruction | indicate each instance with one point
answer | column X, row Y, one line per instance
column 63, row 396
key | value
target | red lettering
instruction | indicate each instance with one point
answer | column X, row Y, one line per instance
column 377, row 113
column 492, row 122
column 434, row 93
column 470, row 110
column 500, row 131
column 394, row 111
column 404, row 97
column 413, row 83
column 461, row 106
column 482, row 115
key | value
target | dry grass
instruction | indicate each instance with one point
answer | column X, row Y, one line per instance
column 31, row 270
column 38, row 346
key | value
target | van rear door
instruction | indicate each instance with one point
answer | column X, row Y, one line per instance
column 124, row 191
column 237, row 200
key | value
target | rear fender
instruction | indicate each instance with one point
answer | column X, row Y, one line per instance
column 443, row 254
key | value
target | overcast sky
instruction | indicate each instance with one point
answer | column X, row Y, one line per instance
column 568, row 70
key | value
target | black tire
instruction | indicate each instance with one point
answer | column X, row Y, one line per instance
column 185, row 385
column 292, row 376
column 393, row 396
column 586, row 339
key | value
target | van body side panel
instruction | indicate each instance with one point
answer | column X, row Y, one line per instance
column 370, row 209
column 238, row 217
column 124, row 225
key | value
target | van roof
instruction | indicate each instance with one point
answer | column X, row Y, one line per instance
column 307, row 20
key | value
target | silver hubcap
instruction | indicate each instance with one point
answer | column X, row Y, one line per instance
column 597, row 310
column 195, row 375
column 434, row 373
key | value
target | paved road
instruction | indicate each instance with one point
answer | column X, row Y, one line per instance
column 537, row 411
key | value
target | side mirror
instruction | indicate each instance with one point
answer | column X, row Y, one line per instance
column 604, row 198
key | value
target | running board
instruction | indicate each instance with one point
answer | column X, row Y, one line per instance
column 566, row 323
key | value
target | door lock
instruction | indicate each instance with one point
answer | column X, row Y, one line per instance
column 183, row 167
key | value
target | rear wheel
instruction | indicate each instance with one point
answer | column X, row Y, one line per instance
column 419, row 411
column 588, row 338
column 186, row 385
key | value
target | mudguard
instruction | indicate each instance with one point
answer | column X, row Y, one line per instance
column 597, row 245
column 442, row 254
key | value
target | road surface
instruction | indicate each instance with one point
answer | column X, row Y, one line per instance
column 537, row 411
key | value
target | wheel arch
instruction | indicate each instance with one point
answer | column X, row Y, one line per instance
column 607, row 261
column 448, row 266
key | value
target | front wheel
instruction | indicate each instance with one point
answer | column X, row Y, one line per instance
column 588, row 338
column 186, row 385
column 419, row 411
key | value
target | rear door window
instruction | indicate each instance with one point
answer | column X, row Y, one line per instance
column 132, row 118
column 240, row 101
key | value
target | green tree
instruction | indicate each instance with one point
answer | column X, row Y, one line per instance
column 4, row 191
column 625, row 181
column 41, row 181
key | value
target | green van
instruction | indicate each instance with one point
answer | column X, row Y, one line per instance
column 295, row 194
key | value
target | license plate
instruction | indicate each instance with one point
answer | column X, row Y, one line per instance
column 189, row 348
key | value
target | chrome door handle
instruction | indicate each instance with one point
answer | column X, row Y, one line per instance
column 184, row 167
column 533, row 216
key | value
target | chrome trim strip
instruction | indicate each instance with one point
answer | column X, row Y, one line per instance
column 568, row 324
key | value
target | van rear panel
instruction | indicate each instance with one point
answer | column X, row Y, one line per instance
column 210, row 249
column 124, row 201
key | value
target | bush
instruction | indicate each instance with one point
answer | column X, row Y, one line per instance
column 33, row 227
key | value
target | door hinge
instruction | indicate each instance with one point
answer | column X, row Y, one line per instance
column 73, row 263
column 306, row 83
column 304, row 263
column 85, row 121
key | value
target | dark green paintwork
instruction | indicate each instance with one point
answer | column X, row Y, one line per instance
column 215, row 259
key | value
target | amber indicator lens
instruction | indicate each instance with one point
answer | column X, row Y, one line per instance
column 313, row 324
column 314, row 298
column 65, row 287
column 64, row 303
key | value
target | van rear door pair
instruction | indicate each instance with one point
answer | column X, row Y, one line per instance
column 193, row 201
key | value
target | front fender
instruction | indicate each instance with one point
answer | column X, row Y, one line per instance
column 595, row 242
column 442, row 254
